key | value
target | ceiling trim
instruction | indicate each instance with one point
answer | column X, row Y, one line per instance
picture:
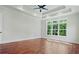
column 23, row 11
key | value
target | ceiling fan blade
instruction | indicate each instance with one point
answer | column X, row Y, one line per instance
column 45, row 8
column 41, row 6
column 44, row 5
column 36, row 8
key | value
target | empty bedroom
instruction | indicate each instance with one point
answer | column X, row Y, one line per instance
column 39, row 29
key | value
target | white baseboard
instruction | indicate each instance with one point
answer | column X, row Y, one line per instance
column 3, row 42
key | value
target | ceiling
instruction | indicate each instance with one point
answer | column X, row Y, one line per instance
column 30, row 8
column 52, row 9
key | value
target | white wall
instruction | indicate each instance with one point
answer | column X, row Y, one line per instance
column 0, row 26
column 72, row 28
column 77, row 24
column 43, row 28
column 19, row 26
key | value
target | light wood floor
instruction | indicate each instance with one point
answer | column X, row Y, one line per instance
column 39, row 46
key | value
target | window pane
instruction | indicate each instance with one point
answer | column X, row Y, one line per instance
column 52, row 33
column 54, row 21
column 48, row 32
column 62, row 26
column 55, row 26
column 62, row 32
column 55, row 32
column 49, row 23
column 49, row 27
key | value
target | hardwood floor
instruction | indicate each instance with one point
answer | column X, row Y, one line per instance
column 58, row 48
column 39, row 46
column 27, row 46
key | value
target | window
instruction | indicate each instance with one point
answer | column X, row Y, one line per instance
column 52, row 28
column 49, row 27
column 57, row 28
column 62, row 28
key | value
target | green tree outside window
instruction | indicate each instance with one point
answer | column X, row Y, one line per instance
column 62, row 29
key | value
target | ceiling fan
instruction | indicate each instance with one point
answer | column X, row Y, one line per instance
column 41, row 7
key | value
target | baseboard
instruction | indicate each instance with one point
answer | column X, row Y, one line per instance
column 30, row 38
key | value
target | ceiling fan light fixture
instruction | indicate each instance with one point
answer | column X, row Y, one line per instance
column 41, row 7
